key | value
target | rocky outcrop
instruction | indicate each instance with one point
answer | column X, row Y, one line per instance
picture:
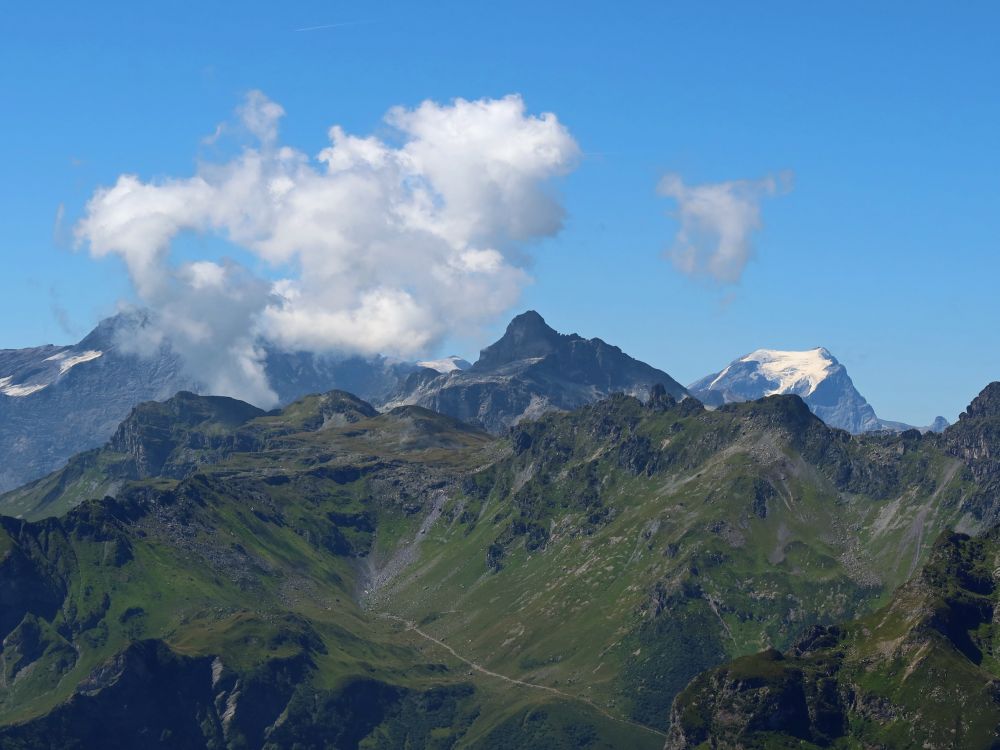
column 155, row 436
column 975, row 438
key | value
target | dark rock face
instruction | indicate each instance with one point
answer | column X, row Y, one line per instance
column 154, row 432
column 145, row 690
column 975, row 438
column 56, row 401
column 533, row 369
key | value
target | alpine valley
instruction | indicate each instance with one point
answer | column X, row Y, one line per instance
column 557, row 546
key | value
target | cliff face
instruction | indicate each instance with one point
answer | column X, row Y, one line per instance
column 975, row 438
column 161, row 439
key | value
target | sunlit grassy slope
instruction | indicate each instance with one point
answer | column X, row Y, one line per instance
column 326, row 574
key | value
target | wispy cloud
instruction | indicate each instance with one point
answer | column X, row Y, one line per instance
column 58, row 229
column 716, row 223
column 60, row 313
column 340, row 25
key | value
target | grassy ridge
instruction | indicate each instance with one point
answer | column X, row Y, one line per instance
column 621, row 549
column 564, row 582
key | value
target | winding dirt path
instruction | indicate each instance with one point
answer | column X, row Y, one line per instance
column 412, row 626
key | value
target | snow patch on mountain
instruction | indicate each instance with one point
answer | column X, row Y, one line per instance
column 794, row 372
column 19, row 391
column 41, row 376
column 448, row 364
column 69, row 363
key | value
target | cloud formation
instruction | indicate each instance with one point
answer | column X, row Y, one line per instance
column 395, row 243
column 716, row 222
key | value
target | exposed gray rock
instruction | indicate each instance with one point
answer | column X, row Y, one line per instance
column 532, row 369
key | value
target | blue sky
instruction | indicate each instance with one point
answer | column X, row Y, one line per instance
column 884, row 250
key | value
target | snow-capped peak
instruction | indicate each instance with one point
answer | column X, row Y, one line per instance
column 794, row 372
column 448, row 364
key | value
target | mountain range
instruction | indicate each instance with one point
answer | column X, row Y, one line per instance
column 329, row 575
column 56, row 401
column 530, row 370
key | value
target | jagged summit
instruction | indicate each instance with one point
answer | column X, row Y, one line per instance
column 530, row 370
column 986, row 404
column 527, row 336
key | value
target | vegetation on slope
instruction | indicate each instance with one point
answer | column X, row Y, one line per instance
column 921, row 673
column 329, row 576
column 621, row 549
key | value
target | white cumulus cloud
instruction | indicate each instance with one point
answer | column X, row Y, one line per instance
column 395, row 241
column 716, row 223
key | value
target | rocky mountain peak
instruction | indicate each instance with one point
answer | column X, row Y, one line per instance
column 154, row 430
column 530, row 370
column 528, row 336
column 110, row 332
column 331, row 409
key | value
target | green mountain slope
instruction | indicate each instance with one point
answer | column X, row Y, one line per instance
column 168, row 439
column 219, row 610
column 921, row 673
column 327, row 574
column 621, row 549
